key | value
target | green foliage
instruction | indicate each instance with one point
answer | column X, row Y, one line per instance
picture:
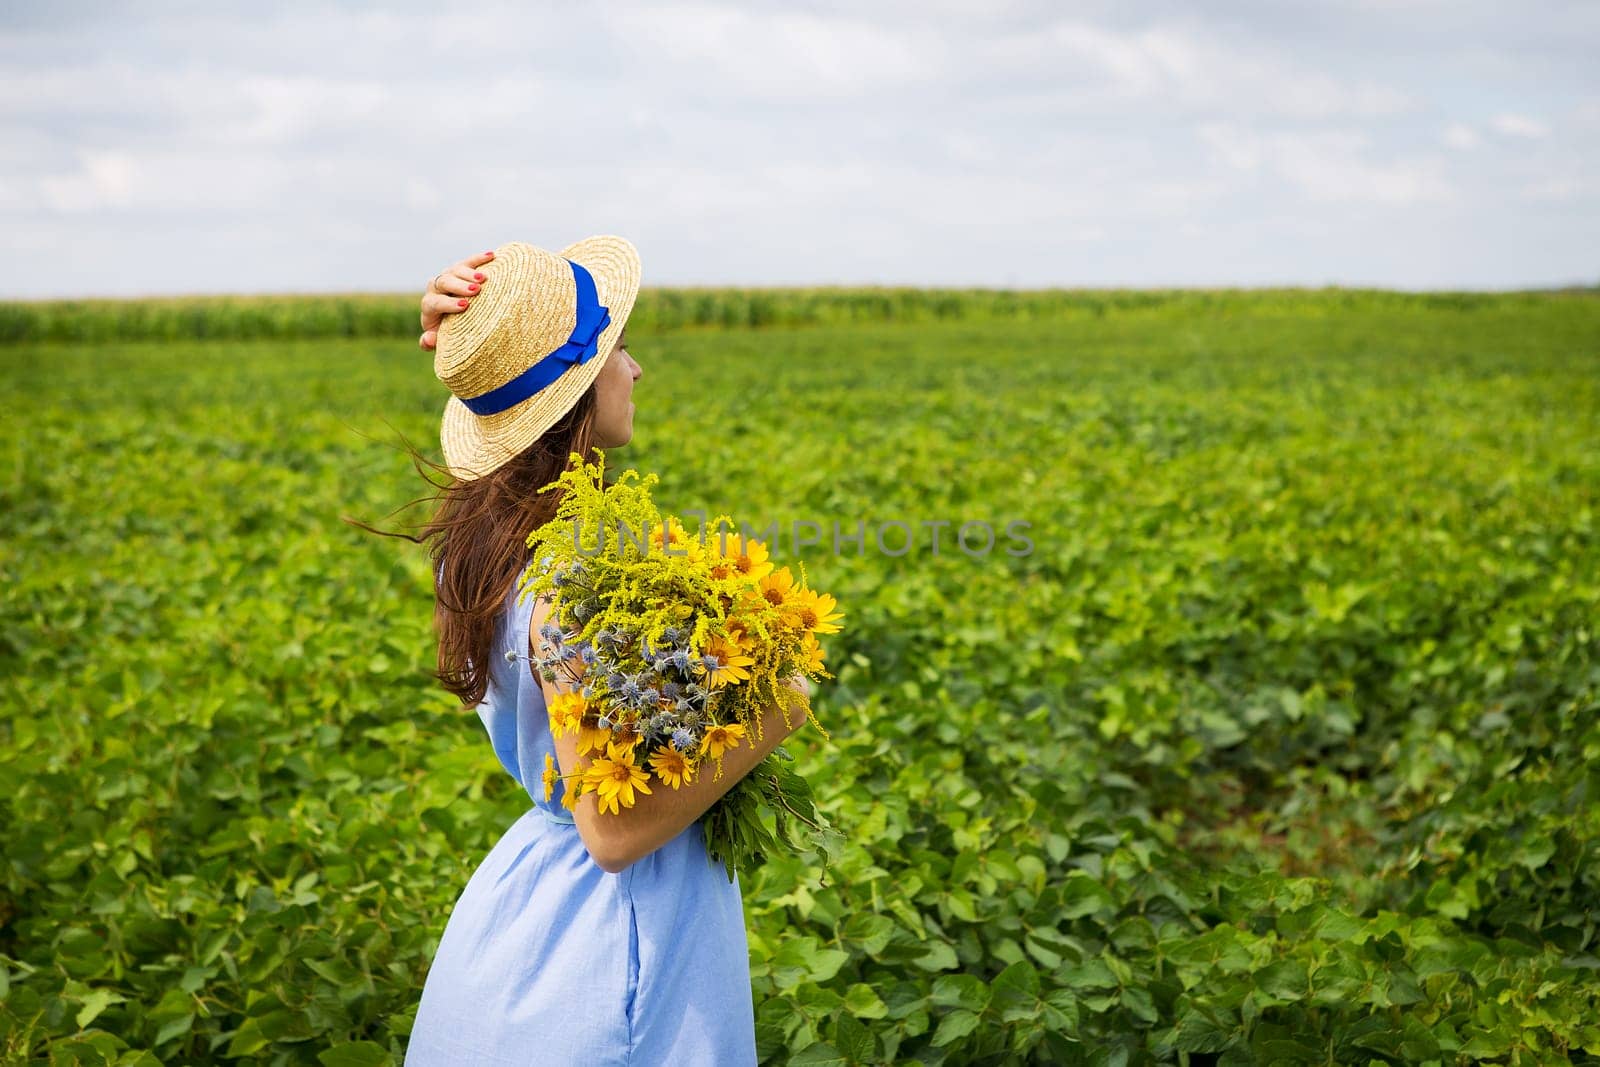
column 371, row 315
column 1280, row 746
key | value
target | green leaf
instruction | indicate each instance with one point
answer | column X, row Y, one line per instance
column 1090, row 974
column 961, row 991
column 1198, row 1028
column 174, row 1028
column 868, row 931
column 248, row 1039
column 939, row 957
column 1082, row 895
column 1284, row 980
column 854, row 1041
column 825, row 963
column 1139, row 1003
column 863, row 1002
column 1015, row 992
column 954, row 1027
column 95, row 1003
column 820, row 1054
column 355, row 1054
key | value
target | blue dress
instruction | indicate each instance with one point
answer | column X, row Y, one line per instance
column 547, row 959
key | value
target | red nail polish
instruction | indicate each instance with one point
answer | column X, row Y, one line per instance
column 489, row 253
column 463, row 303
column 472, row 288
column 478, row 277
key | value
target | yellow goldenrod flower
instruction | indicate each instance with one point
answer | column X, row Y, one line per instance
column 731, row 663
column 671, row 767
column 614, row 777
column 718, row 739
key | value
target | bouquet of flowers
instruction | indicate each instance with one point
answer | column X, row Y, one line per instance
column 675, row 646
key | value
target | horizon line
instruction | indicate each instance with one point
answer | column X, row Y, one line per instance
column 1551, row 287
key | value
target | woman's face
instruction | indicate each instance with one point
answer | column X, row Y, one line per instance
column 613, row 390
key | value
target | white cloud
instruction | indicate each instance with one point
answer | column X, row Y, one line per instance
column 102, row 180
column 1181, row 67
column 1559, row 188
column 783, row 53
column 1329, row 166
column 1460, row 135
column 421, row 195
column 1512, row 125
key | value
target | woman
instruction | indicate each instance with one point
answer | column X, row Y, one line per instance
column 580, row 939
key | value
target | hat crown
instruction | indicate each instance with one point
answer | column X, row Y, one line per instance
column 525, row 309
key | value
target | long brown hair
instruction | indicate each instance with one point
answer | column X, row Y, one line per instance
column 479, row 534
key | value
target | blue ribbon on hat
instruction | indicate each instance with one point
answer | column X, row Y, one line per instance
column 592, row 319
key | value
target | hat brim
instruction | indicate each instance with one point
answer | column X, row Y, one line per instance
column 475, row 445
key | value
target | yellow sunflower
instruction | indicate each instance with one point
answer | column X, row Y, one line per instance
column 614, row 777
column 566, row 713
column 719, row 739
column 626, row 735
column 778, row 589
column 814, row 612
column 738, row 555
column 732, row 663
column 671, row 767
column 550, row 775
column 683, row 546
column 812, row 651
column 591, row 738
column 739, row 634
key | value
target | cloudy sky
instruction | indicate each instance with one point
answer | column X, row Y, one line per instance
column 292, row 147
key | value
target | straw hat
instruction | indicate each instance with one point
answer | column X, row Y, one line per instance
column 534, row 338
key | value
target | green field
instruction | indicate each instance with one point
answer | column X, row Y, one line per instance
column 1282, row 745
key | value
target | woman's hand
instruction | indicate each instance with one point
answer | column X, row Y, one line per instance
column 449, row 291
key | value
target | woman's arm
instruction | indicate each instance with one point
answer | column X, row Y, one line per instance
column 618, row 840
